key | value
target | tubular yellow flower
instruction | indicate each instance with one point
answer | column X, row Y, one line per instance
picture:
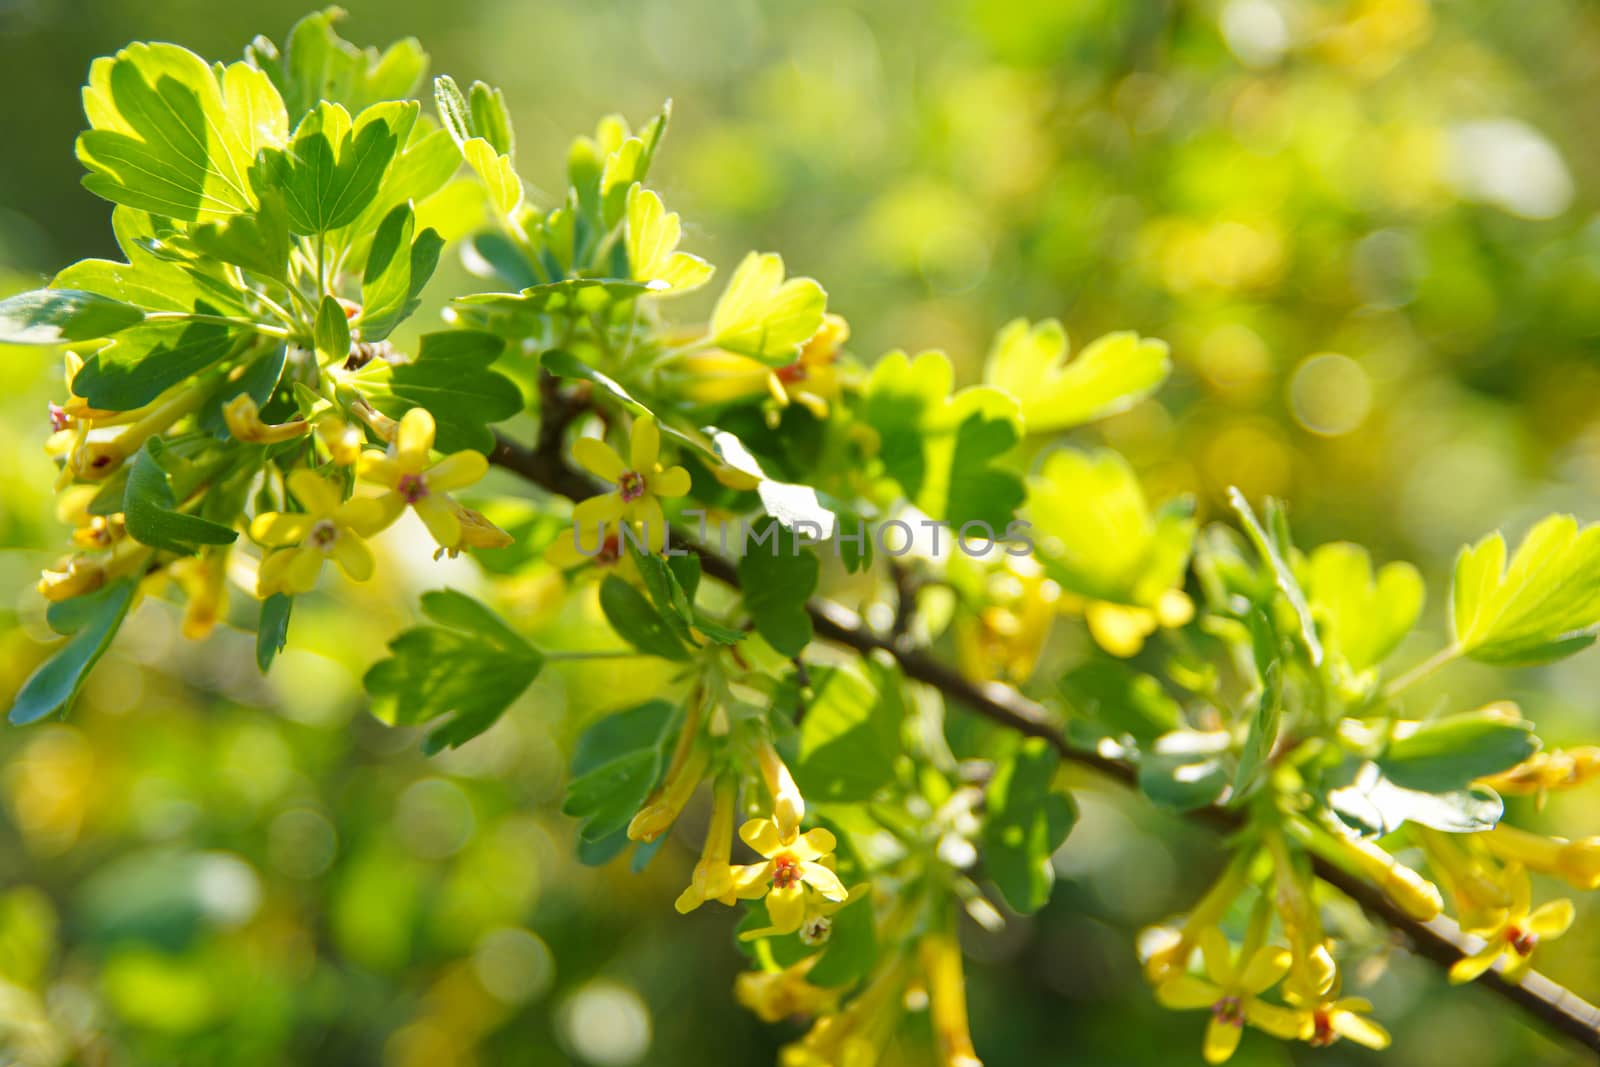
column 1469, row 876
column 244, row 422
column 713, row 875
column 1414, row 894
column 641, row 483
column 1547, row 771
column 342, row 439
column 330, row 526
column 1518, row 934
column 405, row 471
column 666, row 802
column 1004, row 639
column 85, row 573
column 1171, row 955
column 203, row 579
column 792, row 867
column 783, row 994
column 100, row 445
column 1232, row 994
column 788, row 806
column 856, row 1034
column 1578, row 862
column 947, row 993
column 476, row 531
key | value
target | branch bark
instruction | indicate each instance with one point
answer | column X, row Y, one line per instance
column 1440, row 940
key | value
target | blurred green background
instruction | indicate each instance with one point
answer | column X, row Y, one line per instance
column 1367, row 227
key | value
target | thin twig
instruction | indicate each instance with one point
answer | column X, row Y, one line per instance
column 1440, row 941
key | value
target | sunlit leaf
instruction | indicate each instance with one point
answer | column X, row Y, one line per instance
column 1110, row 375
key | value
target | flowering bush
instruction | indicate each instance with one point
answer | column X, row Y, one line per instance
column 236, row 413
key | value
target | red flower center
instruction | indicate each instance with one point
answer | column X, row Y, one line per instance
column 1229, row 1010
column 323, row 534
column 785, row 871
column 791, row 373
column 631, row 486
column 412, row 487
column 1522, row 942
column 59, row 419
column 1322, row 1032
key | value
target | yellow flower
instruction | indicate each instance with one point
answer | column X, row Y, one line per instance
column 203, row 581
column 947, row 995
column 1578, row 862
column 1232, row 994
column 856, row 1034
column 666, row 802
column 1327, row 1019
column 715, row 377
column 244, row 422
column 713, row 875
column 600, row 548
column 641, row 483
column 341, row 438
column 793, row 867
column 1518, row 932
column 476, row 531
column 405, row 471
column 783, row 994
column 330, row 526
column 788, row 806
column 1121, row 629
column 1544, row 772
column 1003, row 639
column 1166, row 950
column 92, row 444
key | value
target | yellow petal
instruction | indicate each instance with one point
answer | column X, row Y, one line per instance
column 787, row 909
column 379, row 469
column 750, row 881
column 688, row 900
column 1263, row 970
column 1218, row 956
column 278, row 529
column 1221, row 1040
column 644, row 445
column 813, row 844
column 303, row 570
column 367, row 515
column 595, row 512
column 414, row 439
column 674, row 481
column 650, row 521
column 353, row 555
column 1280, row 1022
column 1469, row 967
column 598, row 458
column 1118, row 629
column 440, row 519
column 823, row 881
column 320, row 496
column 1552, row 919
column 271, row 576
column 457, row 471
column 1185, row 992
column 1362, row 1031
column 762, row 835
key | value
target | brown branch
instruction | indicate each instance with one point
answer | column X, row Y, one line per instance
column 1440, row 941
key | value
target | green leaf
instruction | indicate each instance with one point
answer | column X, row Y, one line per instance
column 336, row 165
column 637, row 621
column 481, row 129
column 321, row 65
column 653, row 234
column 1121, row 699
column 258, row 242
column 397, row 269
column 470, row 666
column 272, row 632
column 1262, row 734
column 51, row 316
column 1363, row 619
column 332, row 332
column 1111, row 375
column 852, row 946
column 451, row 377
column 1185, row 769
column 150, row 509
column 778, row 578
column 1453, row 751
column 1275, row 555
column 162, row 139
column 849, row 735
column 1543, row 606
column 666, row 594
column 92, row 621
column 145, row 361
column 1375, row 805
column 1027, row 821
column 1096, row 534
column 796, row 507
column 941, row 448
column 762, row 316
